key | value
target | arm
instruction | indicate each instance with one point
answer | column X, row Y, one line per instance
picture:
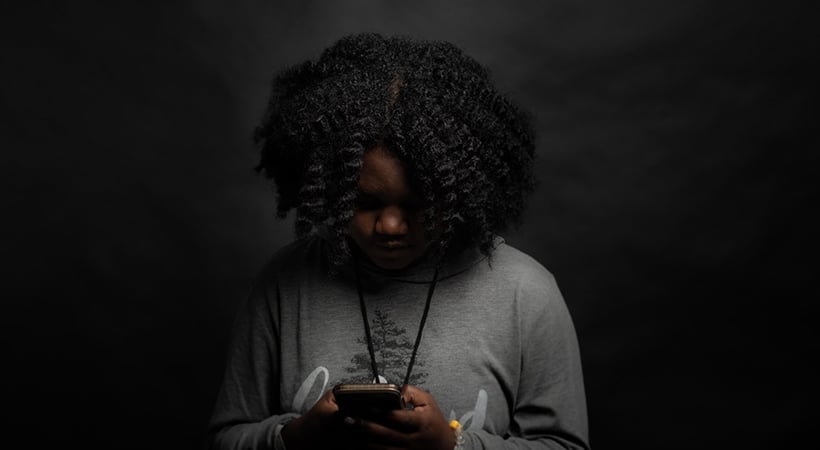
column 550, row 410
column 550, row 405
column 246, row 414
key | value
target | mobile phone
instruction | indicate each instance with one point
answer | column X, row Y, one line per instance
column 362, row 399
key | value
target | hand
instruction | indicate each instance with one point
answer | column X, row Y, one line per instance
column 421, row 428
column 318, row 428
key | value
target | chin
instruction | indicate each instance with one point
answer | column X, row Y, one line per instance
column 395, row 259
column 391, row 264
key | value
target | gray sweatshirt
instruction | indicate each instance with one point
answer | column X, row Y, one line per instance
column 498, row 353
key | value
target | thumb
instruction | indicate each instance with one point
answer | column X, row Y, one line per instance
column 415, row 396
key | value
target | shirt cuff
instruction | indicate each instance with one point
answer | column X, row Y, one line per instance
column 278, row 442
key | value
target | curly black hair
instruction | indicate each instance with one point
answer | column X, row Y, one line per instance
column 468, row 148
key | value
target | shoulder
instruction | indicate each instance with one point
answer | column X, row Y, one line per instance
column 535, row 287
column 306, row 248
column 538, row 302
column 517, row 266
column 299, row 257
column 299, row 263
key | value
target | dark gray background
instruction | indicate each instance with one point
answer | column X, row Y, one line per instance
column 677, row 166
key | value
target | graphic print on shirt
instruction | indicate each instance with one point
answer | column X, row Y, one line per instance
column 393, row 348
column 317, row 383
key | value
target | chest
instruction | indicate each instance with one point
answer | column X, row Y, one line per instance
column 468, row 355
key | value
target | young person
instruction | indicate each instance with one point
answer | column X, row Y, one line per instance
column 404, row 164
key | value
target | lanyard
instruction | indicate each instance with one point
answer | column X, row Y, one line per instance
column 367, row 325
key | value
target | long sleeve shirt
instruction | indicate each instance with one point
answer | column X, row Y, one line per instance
column 499, row 351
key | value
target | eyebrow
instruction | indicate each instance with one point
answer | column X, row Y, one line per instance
column 361, row 192
column 412, row 200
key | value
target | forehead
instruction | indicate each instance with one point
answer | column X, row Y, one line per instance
column 382, row 172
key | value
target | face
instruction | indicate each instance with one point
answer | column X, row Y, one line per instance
column 388, row 222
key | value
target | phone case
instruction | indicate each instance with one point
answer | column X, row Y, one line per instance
column 367, row 398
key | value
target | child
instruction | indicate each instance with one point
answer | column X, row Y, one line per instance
column 403, row 164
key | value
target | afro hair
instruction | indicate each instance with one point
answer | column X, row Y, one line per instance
column 468, row 149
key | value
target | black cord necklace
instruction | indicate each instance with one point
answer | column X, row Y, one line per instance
column 370, row 349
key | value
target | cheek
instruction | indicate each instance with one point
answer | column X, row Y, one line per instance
column 418, row 222
column 418, row 229
column 360, row 225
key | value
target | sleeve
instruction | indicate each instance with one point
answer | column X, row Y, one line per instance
column 246, row 414
column 550, row 410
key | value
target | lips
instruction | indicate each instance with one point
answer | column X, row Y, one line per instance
column 392, row 245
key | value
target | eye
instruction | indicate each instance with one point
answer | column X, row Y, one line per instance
column 413, row 206
column 367, row 202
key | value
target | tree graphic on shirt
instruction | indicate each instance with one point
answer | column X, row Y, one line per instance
column 393, row 352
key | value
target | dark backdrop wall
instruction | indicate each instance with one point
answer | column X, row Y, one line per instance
column 677, row 165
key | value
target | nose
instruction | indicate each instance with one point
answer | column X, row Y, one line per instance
column 392, row 221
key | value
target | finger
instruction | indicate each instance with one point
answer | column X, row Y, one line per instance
column 376, row 434
column 403, row 420
column 376, row 446
column 415, row 396
column 329, row 397
column 411, row 421
column 328, row 403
